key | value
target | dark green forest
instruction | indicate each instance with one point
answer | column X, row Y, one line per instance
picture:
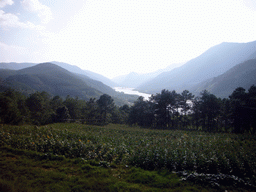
column 165, row 110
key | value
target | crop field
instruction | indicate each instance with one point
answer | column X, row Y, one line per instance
column 188, row 158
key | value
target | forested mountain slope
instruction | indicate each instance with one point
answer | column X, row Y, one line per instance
column 50, row 78
column 242, row 75
column 215, row 61
column 71, row 68
column 252, row 56
column 58, row 81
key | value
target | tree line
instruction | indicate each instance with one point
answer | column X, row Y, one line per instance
column 170, row 110
column 165, row 110
column 40, row 108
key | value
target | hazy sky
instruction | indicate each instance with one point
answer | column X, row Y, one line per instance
column 117, row 37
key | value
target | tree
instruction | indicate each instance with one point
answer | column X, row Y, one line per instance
column 56, row 102
column 39, row 106
column 120, row 114
column 185, row 97
column 243, row 107
column 225, row 114
column 90, row 111
column 237, row 99
column 73, row 106
column 62, row 114
column 209, row 106
column 196, row 108
column 106, row 105
column 252, row 106
column 9, row 108
column 163, row 105
column 141, row 113
column 177, row 119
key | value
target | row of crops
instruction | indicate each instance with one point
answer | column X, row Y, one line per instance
column 179, row 151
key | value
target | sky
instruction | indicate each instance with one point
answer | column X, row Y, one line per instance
column 116, row 37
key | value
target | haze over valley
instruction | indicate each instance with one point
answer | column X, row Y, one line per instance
column 145, row 45
column 219, row 70
column 141, row 95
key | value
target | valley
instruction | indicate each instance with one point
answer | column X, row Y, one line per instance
column 59, row 119
column 197, row 74
column 136, row 96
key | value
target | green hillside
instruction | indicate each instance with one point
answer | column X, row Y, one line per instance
column 58, row 81
column 242, row 75
column 50, row 78
column 212, row 63
column 97, row 84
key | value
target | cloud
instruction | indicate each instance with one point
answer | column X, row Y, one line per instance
column 9, row 20
column 44, row 12
column 3, row 3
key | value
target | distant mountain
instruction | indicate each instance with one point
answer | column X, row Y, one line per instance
column 50, row 78
column 97, row 85
column 92, row 75
column 15, row 66
column 55, row 70
column 71, row 68
column 253, row 56
column 214, row 62
column 131, row 80
column 58, row 81
column 242, row 75
column 134, row 80
column 4, row 73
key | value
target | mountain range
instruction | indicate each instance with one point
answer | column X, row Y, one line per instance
column 90, row 74
column 220, row 70
column 241, row 75
column 69, row 67
column 133, row 79
column 212, row 63
column 56, row 80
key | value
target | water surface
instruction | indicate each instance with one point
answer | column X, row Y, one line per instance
column 131, row 91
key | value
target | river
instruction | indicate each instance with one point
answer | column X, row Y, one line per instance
column 131, row 91
column 146, row 96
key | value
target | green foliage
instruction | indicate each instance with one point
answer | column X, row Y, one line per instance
column 82, row 157
column 39, row 107
column 185, row 97
column 153, row 178
column 141, row 113
column 106, row 105
column 56, row 80
column 62, row 114
column 243, row 108
column 209, row 107
column 165, row 110
column 12, row 109
column 90, row 112
column 163, row 102
column 74, row 107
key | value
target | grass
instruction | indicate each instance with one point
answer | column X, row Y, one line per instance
column 75, row 157
column 23, row 170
